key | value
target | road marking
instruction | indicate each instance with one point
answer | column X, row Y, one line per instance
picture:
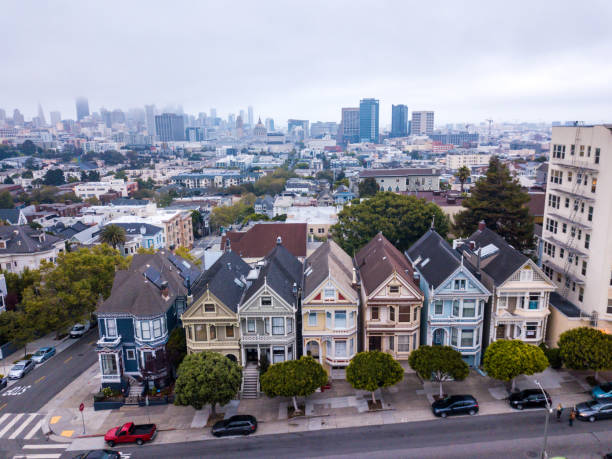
column 15, row 390
column 22, row 427
column 4, row 416
column 67, row 433
column 39, row 456
column 47, row 446
column 93, row 342
column 39, row 379
column 3, row 406
column 35, row 429
column 68, row 359
column 55, row 419
column 10, row 424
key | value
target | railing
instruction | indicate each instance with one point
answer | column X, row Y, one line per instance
column 109, row 341
column 111, row 378
column 265, row 339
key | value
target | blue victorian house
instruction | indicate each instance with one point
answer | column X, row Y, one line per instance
column 134, row 323
column 455, row 299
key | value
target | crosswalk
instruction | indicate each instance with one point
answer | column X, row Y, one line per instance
column 42, row 451
column 20, row 425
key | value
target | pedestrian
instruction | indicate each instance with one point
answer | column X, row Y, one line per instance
column 572, row 416
column 559, row 411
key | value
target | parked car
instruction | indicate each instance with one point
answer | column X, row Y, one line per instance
column 242, row 424
column 594, row 410
column 20, row 369
column 79, row 330
column 529, row 398
column 43, row 354
column 99, row 454
column 130, row 433
column 455, row 404
column 602, row 391
column 3, row 382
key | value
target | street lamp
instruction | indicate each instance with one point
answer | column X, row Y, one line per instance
column 544, row 454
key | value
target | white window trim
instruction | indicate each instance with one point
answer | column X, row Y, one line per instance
column 114, row 322
column 130, row 352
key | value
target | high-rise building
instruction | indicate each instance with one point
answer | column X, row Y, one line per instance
column 213, row 113
column 399, row 120
column 194, row 134
column 250, row 111
column 106, row 117
column 320, row 129
column 269, row 124
column 41, row 116
column 55, row 117
column 170, row 127
column 349, row 126
column 82, row 108
column 2, row 114
column 577, row 247
column 368, row 120
column 18, row 119
column 117, row 116
column 422, row 123
column 150, row 119
column 298, row 129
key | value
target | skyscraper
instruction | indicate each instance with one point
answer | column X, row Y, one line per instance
column 150, row 119
column 368, row 120
column 18, row 119
column 399, row 120
column 250, row 111
column 269, row 124
column 82, row 108
column 41, row 116
column 349, row 126
column 55, row 117
column 213, row 113
column 294, row 125
column 422, row 123
column 170, row 127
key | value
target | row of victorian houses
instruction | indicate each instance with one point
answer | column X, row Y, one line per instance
column 328, row 305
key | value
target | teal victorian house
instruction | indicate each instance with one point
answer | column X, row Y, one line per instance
column 455, row 299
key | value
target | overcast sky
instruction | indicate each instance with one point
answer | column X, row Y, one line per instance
column 518, row 60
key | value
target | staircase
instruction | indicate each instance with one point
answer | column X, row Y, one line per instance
column 136, row 389
column 250, row 381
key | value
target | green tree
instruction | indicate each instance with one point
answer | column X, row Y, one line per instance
column 500, row 202
column 438, row 363
column 293, row 378
column 507, row 359
column 224, row 216
column 8, row 180
column 401, row 219
column 28, row 148
column 120, row 175
column 165, row 199
column 586, row 348
column 54, row 177
column 368, row 187
column 463, row 174
column 27, row 174
column 343, row 181
column 184, row 253
column 112, row 235
column 196, row 223
column 176, row 348
column 6, row 200
column 373, row 370
column 207, row 378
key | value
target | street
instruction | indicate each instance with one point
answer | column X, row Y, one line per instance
column 515, row 435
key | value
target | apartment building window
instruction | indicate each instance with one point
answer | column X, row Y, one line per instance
column 572, row 150
column 467, row 338
column 157, row 328
column 438, row 307
column 573, row 231
column 374, row 313
column 549, row 249
column 469, row 308
column 551, row 225
column 581, row 294
column 609, row 309
column 111, row 328
column 587, row 241
column 584, row 268
column 278, row 325
column 229, row 331
column 312, row 319
column 531, row 330
column 567, row 203
column 454, row 334
column 582, row 207
column 403, row 343
column 590, row 215
column 564, row 228
column 391, row 313
column 581, row 150
column 340, row 347
column 561, row 252
column 578, row 178
column 404, row 313
column 250, row 325
column 576, row 203
column 579, row 234
column 559, row 151
column 554, row 201
column 548, row 271
column 340, row 319
column 570, row 176
column 597, row 153
column 534, row 301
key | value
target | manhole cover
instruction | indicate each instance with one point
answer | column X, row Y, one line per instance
column 533, row 453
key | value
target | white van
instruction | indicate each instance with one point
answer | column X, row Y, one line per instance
column 79, row 330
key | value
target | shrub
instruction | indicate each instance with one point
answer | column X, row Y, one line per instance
column 107, row 391
column 554, row 357
column 264, row 364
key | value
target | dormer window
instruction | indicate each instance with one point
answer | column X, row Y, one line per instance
column 329, row 294
column 459, row 284
column 394, row 289
column 526, row 275
column 209, row 307
column 266, row 301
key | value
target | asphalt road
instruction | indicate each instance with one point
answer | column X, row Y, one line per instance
column 33, row 391
column 516, row 435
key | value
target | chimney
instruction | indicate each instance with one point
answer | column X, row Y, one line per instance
column 164, row 290
column 279, row 240
column 354, row 276
column 478, row 262
column 472, row 245
column 481, row 225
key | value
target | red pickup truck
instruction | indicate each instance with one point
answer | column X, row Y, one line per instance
column 130, row 433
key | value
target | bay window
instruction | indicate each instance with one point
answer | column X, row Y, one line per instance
column 469, row 308
column 456, row 308
column 403, row 343
column 340, row 320
column 109, row 364
column 534, row 301
column 250, row 325
column 531, row 330
column 200, row 333
column 289, row 325
column 157, row 332
column 312, row 319
column 213, row 332
column 404, row 313
column 467, row 338
column 146, row 331
column 340, row 348
column 278, row 325
column 438, row 308
column 111, row 328
column 454, row 334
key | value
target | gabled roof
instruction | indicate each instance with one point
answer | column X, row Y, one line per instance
column 226, row 279
column 378, row 259
column 436, row 259
column 261, row 239
column 328, row 260
column 24, row 239
column 10, row 215
column 397, row 172
column 140, row 295
column 501, row 263
column 280, row 272
column 146, row 229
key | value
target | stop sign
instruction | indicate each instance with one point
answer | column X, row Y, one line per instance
column 81, row 407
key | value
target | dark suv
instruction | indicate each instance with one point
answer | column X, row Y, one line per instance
column 236, row 425
column 529, row 398
column 594, row 410
column 455, row 404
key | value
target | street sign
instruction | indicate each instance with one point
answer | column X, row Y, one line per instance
column 81, row 407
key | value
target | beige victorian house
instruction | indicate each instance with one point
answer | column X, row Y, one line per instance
column 211, row 321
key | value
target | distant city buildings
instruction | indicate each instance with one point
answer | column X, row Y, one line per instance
column 422, row 123
column 454, row 139
column 320, row 129
column 298, row 129
column 82, row 108
column 368, row 120
column 399, row 120
column 349, row 126
column 170, row 127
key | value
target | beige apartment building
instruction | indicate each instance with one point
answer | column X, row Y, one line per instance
column 577, row 247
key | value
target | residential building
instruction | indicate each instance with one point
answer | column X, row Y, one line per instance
column 96, row 189
column 455, row 300
column 3, row 293
column 330, row 308
column 399, row 180
column 320, row 129
column 453, row 139
column 211, row 321
column 368, row 120
column 349, row 126
column 343, row 195
column 210, row 178
column 170, row 127
column 13, row 216
column 82, row 108
column 518, row 308
column 577, row 247
column 399, row 120
column 177, row 226
column 135, row 321
column 422, row 123
column 391, row 300
column 298, row 129
column 269, row 308
column 456, row 160
column 260, row 239
column 25, row 247
column 318, row 220
column 264, row 206
column 149, row 236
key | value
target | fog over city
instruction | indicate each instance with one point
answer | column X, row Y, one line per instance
column 468, row 61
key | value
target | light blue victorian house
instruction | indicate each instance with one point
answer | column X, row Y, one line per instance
column 455, row 300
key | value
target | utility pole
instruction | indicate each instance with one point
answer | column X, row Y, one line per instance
column 544, row 454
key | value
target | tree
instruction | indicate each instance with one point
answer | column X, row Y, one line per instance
column 499, row 201
column 372, row 370
column 8, row 180
column 165, row 199
column 368, row 187
column 6, row 200
column 507, row 359
column 184, row 253
column 401, row 219
column 28, row 148
column 27, row 174
column 54, row 177
column 120, row 175
column 438, row 363
column 463, row 173
column 176, row 348
column 112, row 235
column 91, row 176
column 343, row 181
column 586, row 348
column 207, row 378
column 293, row 378
column 196, row 223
